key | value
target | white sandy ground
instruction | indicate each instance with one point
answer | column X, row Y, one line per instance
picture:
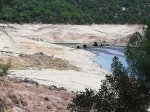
column 71, row 80
column 89, row 76
column 72, row 33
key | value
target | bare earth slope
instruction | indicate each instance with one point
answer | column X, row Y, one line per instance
column 29, row 39
column 28, row 96
column 73, row 33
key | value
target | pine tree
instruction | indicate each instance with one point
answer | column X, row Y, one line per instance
column 119, row 92
column 138, row 54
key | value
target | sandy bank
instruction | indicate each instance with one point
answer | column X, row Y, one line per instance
column 71, row 80
column 73, row 33
column 30, row 39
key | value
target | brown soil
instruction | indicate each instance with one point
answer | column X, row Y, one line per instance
column 28, row 96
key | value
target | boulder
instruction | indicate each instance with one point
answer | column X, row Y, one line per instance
column 17, row 109
column 78, row 47
column 15, row 97
column 84, row 46
column 2, row 96
column 8, row 102
column 30, row 81
column 46, row 99
column 95, row 44
column 50, row 107
column 24, row 102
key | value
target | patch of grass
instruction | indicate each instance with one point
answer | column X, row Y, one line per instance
column 41, row 62
column 4, row 67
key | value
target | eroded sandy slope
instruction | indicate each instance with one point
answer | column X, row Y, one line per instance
column 30, row 39
column 72, row 33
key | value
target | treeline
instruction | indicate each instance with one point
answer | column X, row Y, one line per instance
column 77, row 11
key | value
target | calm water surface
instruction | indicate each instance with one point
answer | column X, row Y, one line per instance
column 105, row 55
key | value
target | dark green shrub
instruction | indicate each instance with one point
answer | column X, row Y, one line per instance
column 84, row 46
column 83, row 102
column 95, row 44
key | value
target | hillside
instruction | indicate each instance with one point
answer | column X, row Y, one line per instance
column 58, row 62
column 29, row 96
column 77, row 11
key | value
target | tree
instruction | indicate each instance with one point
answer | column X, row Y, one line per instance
column 118, row 93
column 138, row 54
column 122, row 93
column 76, row 11
column 83, row 101
column 3, row 2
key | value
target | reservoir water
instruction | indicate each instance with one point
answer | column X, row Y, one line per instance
column 104, row 55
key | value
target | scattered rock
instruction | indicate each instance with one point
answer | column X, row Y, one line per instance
column 20, row 104
column 16, row 80
column 95, row 44
column 39, row 54
column 49, row 107
column 78, row 47
column 2, row 96
column 102, row 45
column 8, row 102
column 52, row 87
column 21, row 55
column 19, row 98
column 46, row 99
column 42, row 102
column 24, row 102
column 30, row 81
column 84, row 46
column 15, row 97
column 64, row 89
column 58, row 105
column 17, row 109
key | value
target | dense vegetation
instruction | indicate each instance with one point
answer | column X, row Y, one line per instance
column 118, row 93
column 76, row 11
column 138, row 54
column 125, row 90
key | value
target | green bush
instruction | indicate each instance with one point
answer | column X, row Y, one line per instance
column 83, row 102
column 4, row 67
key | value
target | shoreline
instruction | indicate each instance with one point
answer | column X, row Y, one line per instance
column 105, row 55
column 90, row 75
column 31, row 39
